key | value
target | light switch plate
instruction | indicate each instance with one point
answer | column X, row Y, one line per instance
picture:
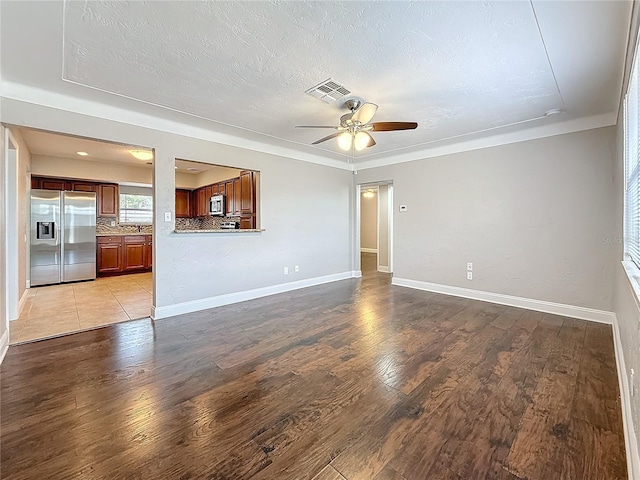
column 167, row 216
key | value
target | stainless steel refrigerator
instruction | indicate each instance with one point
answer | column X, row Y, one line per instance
column 63, row 236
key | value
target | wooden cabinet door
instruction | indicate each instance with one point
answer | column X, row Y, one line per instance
column 52, row 184
column 237, row 190
column 83, row 187
column 247, row 222
column 135, row 256
column 229, row 197
column 247, row 193
column 183, row 203
column 149, row 260
column 108, row 200
column 215, row 189
column 201, row 205
column 35, row 182
column 109, row 257
column 207, row 199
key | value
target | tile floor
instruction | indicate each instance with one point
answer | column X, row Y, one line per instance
column 59, row 309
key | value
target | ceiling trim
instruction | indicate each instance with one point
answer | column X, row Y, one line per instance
column 28, row 94
column 532, row 133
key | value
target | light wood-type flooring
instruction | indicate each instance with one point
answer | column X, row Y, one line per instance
column 55, row 310
column 354, row 379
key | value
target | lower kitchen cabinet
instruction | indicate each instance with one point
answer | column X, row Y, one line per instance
column 135, row 253
column 109, row 255
column 123, row 254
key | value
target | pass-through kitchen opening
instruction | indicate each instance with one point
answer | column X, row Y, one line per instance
column 88, row 216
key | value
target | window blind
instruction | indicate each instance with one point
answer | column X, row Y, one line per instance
column 632, row 166
column 136, row 209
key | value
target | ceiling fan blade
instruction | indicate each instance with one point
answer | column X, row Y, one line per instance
column 372, row 142
column 314, row 126
column 328, row 137
column 390, row 126
column 365, row 113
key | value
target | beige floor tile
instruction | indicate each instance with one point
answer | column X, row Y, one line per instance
column 134, row 298
column 47, row 320
column 32, row 332
column 98, row 320
column 15, row 329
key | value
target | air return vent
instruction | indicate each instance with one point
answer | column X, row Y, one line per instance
column 329, row 91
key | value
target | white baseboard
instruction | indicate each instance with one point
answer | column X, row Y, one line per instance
column 4, row 345
column 158, row 313
column 369, row 250
column 630, row 441
column 573, row 311
column 356, row 273
column 383, row 269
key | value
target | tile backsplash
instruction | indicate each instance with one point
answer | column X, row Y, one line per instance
column 211, row 223
column 103, row 225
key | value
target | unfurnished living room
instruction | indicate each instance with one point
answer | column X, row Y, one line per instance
column 377, row 240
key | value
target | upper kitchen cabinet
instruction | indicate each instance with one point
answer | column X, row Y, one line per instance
column 183, row 203
column 248, row 192
column 108, row 200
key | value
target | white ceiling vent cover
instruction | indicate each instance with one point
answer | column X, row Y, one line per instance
column 329, row 90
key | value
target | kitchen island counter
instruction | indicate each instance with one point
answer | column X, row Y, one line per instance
column 222, row 230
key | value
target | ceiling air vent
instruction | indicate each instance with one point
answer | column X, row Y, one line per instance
column 329, row 91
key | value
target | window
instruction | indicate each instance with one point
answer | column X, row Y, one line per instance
column 136, row 209
column 632, row 170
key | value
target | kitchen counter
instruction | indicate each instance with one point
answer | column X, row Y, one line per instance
column 221, row 230
column 121, row 234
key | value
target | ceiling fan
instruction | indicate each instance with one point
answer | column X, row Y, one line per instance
column 354, row 128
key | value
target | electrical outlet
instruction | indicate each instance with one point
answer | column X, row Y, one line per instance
column 469, row 266
column 113, row 223
column 286, row 270
column 167, row 216
column 403, row 208
column 296, row 268
column 469, row 275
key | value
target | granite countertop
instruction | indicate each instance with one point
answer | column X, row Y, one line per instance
column 222, row 230
column 121, row 234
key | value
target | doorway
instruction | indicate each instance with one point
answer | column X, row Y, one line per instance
column 115, row 281
column 375, row 214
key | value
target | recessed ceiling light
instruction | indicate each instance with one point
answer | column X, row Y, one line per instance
column 82, row 154
column 191, row 169
column 553, row 111
column 142, row 154
column 149, row 163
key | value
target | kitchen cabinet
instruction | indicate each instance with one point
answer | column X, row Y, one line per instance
column 229, row 197
column 247, row 193
column 236, row 196
column 52, row 184
column 109, row 255
column 108, row 200
column 183, row 203
column 83, row 186
column 134, row 253
column 215, row 189
column 120, row 254
column 207, row 197
column 201, row 207
column 247, row 222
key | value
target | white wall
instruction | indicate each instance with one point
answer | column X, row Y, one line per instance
column 531, row 216
column 369, row 220
column 4, row 334
column 109, row 172
column 384, row 241
column 305, row 211
column 23, row 191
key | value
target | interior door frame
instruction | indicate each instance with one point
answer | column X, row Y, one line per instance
column 358, row 191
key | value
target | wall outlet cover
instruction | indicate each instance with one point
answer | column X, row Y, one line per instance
column 403, row 208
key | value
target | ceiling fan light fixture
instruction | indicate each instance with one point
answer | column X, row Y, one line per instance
column 142, row 154
column 344, row 141
column 361, row 140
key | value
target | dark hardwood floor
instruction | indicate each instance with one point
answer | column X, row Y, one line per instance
column 349, row 380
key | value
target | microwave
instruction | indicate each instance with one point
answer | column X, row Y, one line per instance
column 216, row 205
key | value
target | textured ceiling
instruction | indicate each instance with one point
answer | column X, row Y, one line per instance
column 457, row 68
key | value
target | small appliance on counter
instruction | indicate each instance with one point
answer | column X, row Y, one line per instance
column 63, row 236
column 230, row 225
